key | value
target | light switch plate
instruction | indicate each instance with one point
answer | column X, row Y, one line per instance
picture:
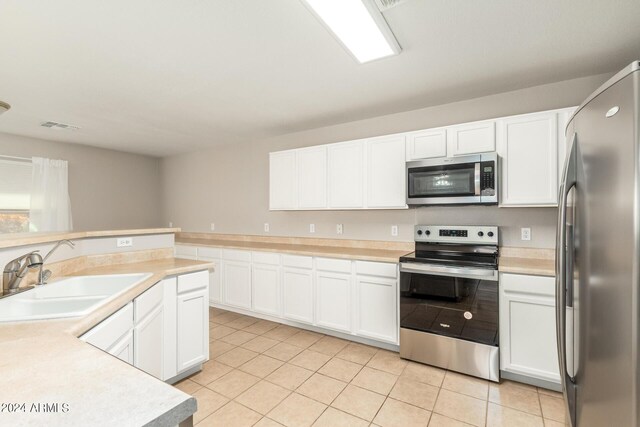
column 124, row 242
column 525, row 233
column 312, row 228
column 338, row 228
column 394, row 230
column 266, row 227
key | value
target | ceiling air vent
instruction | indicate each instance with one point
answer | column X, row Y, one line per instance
column 56, row 125
column 388, row 4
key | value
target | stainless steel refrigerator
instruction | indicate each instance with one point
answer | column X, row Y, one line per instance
column 598, row 257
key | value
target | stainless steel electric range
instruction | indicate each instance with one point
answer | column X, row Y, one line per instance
column 449, row 299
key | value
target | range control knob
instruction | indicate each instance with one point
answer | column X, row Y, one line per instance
column 490, row 234
column 427, row 232
column 480, row 233
column 419, row 232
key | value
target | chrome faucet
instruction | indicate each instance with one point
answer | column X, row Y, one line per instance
column 43, row 275
column 16, row 269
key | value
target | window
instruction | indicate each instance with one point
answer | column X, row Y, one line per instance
column 15, row 194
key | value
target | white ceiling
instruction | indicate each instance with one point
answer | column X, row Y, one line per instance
column 161, row 77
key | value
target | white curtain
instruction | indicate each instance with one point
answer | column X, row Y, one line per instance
column 50, row 204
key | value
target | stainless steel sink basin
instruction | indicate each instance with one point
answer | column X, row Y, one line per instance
column 66, row 297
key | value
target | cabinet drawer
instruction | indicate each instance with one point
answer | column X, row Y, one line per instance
column 382, row 269
column 110, row 330
column 337, row 265
column 192, row 281
column 146, row 302
column 236, row 255
column 525, row 284
column 297, row 261
column 190, row 252
column 265, row 258
column 209, row 253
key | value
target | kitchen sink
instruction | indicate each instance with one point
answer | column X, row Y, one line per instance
column 66, row 297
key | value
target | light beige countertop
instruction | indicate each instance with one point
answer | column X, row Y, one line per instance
column 356, row 253
column 538, row 262
column 44, row 362
column 22, row 239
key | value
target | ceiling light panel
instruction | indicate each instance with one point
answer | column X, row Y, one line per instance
column 358, row 25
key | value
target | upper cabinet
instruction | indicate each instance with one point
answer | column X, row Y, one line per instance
column 427, row 144
column 312, row 177
column 471, row 138
column 386, row 172
column 346, row 175
column 371, row 173
column 531, row 149
column 283, row 192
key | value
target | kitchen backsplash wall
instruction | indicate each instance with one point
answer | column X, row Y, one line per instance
column 229, row 185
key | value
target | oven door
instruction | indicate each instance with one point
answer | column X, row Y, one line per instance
column 460, row 303
column 449, row 181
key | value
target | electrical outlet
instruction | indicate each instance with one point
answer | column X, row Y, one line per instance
column 525, row 233
column 312, row 228
column 213, row 227
column 124, row 242
column 394, row 230
column 338, row 228
column 170, row 224
column 266, row 227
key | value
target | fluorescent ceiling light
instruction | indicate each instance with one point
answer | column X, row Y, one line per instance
column 358, row 25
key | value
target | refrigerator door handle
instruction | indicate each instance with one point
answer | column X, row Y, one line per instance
column 563, row 264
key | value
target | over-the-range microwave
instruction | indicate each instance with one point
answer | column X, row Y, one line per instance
column 467, row 180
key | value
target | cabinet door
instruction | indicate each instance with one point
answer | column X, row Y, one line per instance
column 471, row 138
column 123, row 349
column 427, row 144
column 192, row 328
column 237, row 283
column 266, row 289
column 528, row 326
column 386, row 186
column 283, row 190
column 346, row 174
column 312, row 177
column 377, row 308
column 148, row 335
column 333, row 300
column 528, row 146
column 108, row 332
column 297, row 287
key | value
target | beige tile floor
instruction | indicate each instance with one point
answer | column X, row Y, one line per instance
column 266, row 374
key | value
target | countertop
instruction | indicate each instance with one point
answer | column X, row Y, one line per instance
column 538, row 262
column 361, row 254
column 43, row 362
column 22, row 239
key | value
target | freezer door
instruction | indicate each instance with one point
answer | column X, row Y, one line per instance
column 601, row 262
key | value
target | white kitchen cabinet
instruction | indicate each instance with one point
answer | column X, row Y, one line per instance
column 426, row 144
column 346, row 175
column 192, row 320
column 377, row 301
column 471, row 138
column 236, row 283
column 528, row 326
column 528, row 149
column 266, row 288
column 386, row 181
column 298, row 295
column 213, row 255
column 333, row 300
column 283, row 191
column 312, row 177
column 148, row 335
column 123, row 349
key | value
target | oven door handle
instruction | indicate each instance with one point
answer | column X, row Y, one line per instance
column 479, row 273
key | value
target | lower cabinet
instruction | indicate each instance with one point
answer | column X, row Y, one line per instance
column 236, row 283
column 266, row 288
column 297, row 287
column 164, row 331
column 376, row 317
column 528, row 326
column 333, row 300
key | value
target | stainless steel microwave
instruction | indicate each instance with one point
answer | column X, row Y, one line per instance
column 468, row 180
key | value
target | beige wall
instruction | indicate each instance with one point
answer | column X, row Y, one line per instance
column 108, row 189
column 228, row 185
